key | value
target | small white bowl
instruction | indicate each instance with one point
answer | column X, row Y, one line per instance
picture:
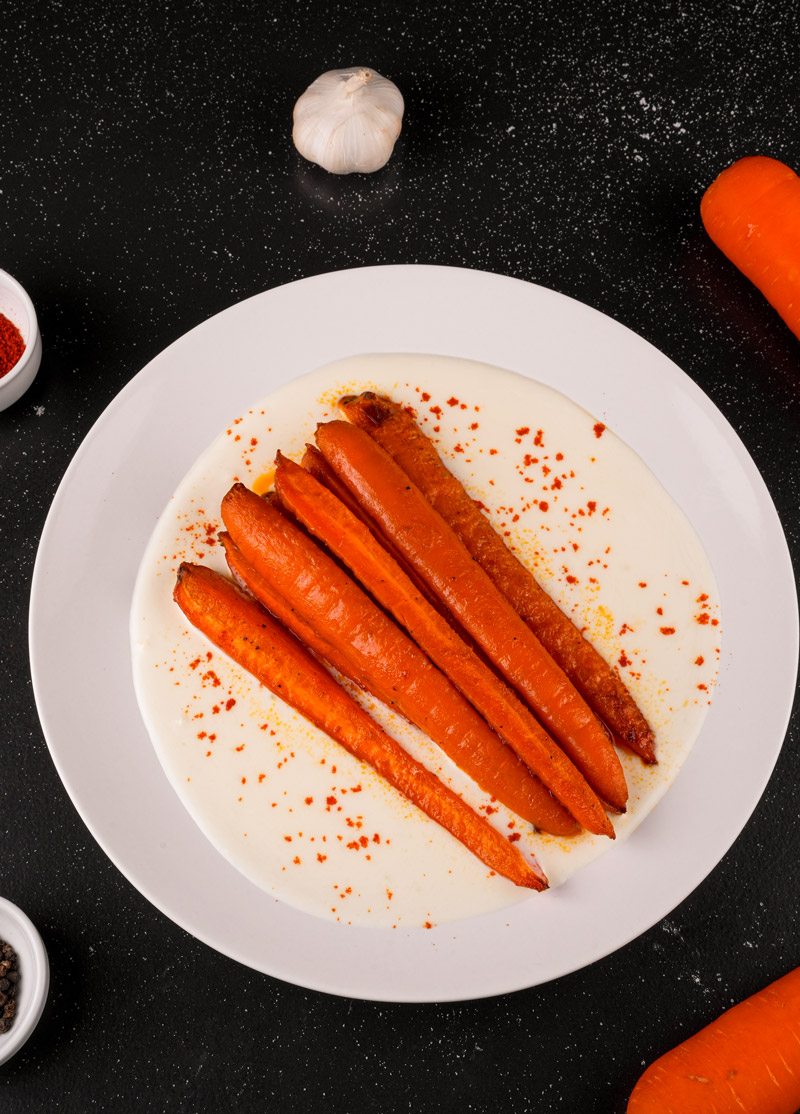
column 17, row 307
column 34, row 976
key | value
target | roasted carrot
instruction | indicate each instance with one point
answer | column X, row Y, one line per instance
column 350, row 540
column 243, row 630
column 499, row 771
column 747, row 1060
column 316, row 465
column 752, row 213
column 364, row 644
column 353, row 666
column 436, row 552
column 251, row 582
column 393, row 427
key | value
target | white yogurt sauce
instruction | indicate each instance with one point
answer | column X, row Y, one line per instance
column 289, row 808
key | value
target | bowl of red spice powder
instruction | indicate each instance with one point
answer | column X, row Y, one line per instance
column 20, row 341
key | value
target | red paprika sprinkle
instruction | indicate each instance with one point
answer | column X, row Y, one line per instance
column 11, row 345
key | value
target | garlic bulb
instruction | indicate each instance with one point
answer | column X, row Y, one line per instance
column 348, row 121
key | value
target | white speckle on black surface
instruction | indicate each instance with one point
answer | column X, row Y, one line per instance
column 148, row 181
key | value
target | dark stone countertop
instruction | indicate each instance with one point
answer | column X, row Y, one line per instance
column 148, row 181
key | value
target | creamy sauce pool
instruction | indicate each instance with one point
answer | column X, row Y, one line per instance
column 289, row 808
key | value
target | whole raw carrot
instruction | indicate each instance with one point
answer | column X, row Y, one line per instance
column 362, row 642
column 746, row 1061
column 438, row 555
column 243, row 630
column 350, row 540
column 752, row 213
column 393, row 427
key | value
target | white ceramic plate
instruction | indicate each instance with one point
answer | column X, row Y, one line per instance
column 134, row 457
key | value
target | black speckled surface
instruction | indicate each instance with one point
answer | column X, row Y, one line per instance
column 147, row 181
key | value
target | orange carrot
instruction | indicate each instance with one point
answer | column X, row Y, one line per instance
column 316, row 465
column 243, row 630
column 425, row 539
column 364, row 644
column 748, row 1060
column 350, row 540
column 260, row 588
column 497, row 769
column 393, row 427
column 752, row 213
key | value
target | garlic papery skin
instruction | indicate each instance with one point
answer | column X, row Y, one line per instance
column 347, row 121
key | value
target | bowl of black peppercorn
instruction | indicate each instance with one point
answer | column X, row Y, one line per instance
column 24, row 978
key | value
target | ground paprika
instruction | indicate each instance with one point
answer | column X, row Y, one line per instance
column 11, row 345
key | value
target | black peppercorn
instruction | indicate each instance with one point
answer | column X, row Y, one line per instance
column 9, row 977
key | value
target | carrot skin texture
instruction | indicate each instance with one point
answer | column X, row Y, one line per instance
column 752, row 213
column 424, row 538
column 747, row 1060
column 245, row 576
column 243, row 630
column 350, row 540
column 598, row 682
column 364, row 644
column 317, row 466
